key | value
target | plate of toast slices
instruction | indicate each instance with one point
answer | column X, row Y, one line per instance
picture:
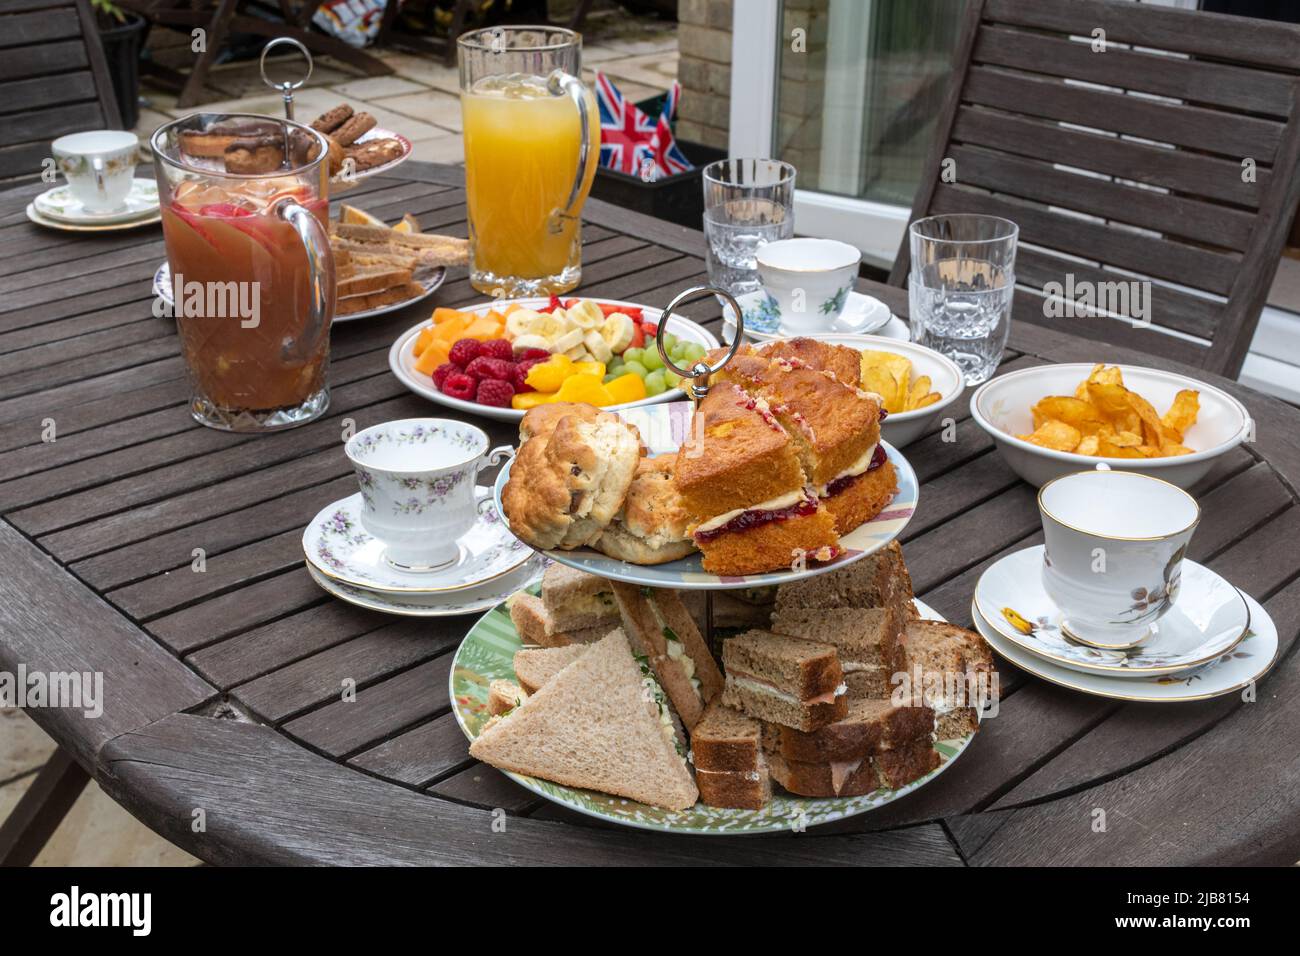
column 833, row 696
column 381, row 268
column 779, row 473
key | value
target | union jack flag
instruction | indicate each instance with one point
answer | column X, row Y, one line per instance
column 630, row 141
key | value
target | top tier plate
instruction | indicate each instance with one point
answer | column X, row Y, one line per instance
column 663, row 428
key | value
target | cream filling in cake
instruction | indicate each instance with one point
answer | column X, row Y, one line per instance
column 788, row 500
column 855, row 469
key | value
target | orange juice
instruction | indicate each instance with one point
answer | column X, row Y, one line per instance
column 521, row 160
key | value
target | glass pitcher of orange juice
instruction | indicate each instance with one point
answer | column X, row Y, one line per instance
column 532, row 137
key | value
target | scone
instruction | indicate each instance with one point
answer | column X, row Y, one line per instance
column 651, row 528
column 570, row 477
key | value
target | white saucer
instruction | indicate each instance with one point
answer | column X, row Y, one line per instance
column 338, row 548
column 1208, row 620
column 862, row 315
column 1246, row 663
column 60, row 205
column 465, row 601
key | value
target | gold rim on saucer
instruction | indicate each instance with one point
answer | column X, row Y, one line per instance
column 35, row 216
column 976, row 617
column 1044, row 653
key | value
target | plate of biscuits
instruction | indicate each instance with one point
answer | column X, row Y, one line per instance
column 830, row 697
column 364, row 147
column 779, row 473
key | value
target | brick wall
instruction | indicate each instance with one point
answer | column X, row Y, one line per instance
column 704, row 70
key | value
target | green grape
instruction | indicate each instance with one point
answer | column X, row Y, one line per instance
column 632, row 355
column 694, row 351
column 671, row 379
column 635, row 367
column 654, row 383
column 670, row 341
column 610, row 376
column 651, row 360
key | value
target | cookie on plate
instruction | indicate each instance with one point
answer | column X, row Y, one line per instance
column 570, row 476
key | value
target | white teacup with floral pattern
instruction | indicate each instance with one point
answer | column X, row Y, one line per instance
column 1115, row 542
column 417, row 478
column 809, row 280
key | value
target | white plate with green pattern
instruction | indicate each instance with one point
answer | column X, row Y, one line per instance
column 487, row 654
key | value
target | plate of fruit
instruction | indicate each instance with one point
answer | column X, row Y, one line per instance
column 501, row 358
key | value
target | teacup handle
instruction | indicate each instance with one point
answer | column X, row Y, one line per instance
column 97, row 165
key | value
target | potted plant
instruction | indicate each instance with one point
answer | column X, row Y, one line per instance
column 121, row 33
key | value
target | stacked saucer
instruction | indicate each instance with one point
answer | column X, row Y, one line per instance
column 58, row 208
column 350, row 564
column 1213, row 640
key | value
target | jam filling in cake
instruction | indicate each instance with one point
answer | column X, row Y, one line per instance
column 794, row 505
column 841, row 482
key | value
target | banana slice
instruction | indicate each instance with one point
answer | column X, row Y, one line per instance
column 586, row 315
column 618, row 331
column 571, row 339
column 597, row 346
column 578, row 354
column 522, row 322
column 531, row 341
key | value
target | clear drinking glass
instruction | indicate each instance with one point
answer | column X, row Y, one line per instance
column 960, row 288
column 747, row 204
column 251, row 268
column 532, row 139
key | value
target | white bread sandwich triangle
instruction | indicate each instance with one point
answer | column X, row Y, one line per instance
column 620, row 740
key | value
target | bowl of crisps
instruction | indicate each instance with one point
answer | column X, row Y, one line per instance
column 916, row 383
column 1052, row 420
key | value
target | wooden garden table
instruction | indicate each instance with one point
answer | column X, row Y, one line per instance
column 222, row 688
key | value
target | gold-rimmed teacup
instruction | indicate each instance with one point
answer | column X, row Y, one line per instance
column 1115, row 542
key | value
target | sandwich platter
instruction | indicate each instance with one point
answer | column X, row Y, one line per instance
column 487, row 654
column 663, row 429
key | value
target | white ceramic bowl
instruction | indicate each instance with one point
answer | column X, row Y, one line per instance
column 902, row 428
column 1001, row 406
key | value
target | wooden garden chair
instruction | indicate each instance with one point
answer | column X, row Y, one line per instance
column 53, row 80
column 1186, row 130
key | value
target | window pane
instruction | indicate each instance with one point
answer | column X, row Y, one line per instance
column 858, row 91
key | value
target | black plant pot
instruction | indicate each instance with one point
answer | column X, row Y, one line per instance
column 122, row 42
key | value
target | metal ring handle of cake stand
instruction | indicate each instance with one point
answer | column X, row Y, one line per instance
column 699, row 372
column 286, row 88
column 699, row 375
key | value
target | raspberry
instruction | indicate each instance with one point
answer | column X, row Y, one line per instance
column 484, row 367
column 459, row 385
column 441, row 372
column 520, row 379
column 493, row 392
column 499, row 349
column 465, row 351
column 527, row 355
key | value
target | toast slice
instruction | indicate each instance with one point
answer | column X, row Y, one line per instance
column 613, row 741
column 784, row 680
column 661, row 631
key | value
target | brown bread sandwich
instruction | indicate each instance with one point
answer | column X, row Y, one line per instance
column 784, row 680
